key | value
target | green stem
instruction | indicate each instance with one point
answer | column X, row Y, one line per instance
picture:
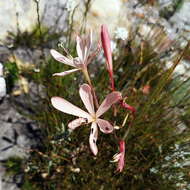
column 127, row 132
column 87, row 77
column 129, row 128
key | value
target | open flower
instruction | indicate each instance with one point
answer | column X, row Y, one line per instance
column 84, row 55
column 90, row 117
column 120, row 157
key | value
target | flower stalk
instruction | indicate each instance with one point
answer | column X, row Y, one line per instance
column 87, row 77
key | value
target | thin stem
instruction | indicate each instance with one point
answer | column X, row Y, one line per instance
column 87, row 8
column 40, row 27
column 128, row 129
column 127, row 132
column 141, row 53
column 112, row 81
column 38, row 14
column 87, row 77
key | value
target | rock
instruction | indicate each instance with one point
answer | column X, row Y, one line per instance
column 4, row 53
column 103, row 12
column 167, row 8
column 54, row 14
column 181, row 19
column 23, row 15
column 17, row 135
column 7, row 182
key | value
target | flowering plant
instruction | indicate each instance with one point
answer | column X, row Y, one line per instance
column 131, row 105
column 87, row 93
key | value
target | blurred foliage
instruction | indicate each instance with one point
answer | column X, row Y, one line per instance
column 37, row 37
column 14, row 165
column 12, row 75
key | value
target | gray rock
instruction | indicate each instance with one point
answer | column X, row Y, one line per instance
column 17, row 136
column 181, row 19
column 4, row 53
column 7, row 182
column 22, row 15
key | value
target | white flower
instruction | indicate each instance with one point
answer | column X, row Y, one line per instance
column 71, row 4
column 121, row 33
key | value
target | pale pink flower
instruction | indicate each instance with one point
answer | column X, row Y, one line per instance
column 90, row 117
column 120, row 157
column 106, row 44
column 84, row 53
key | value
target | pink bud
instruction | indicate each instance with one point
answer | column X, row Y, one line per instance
column 106, row 44
column 121, row 161
column 146, row 89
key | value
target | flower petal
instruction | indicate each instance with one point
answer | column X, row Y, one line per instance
column 66, row 107
column 94, row 54
column 93, row 138
column 66, row 72
column 61, row 58
column 116, row 157
column 110, row 99
column 80, row 47
column 104, row 126
column 88, row 43
column 76, row 123
column 86, row 96
column 83, row 48
column 78, row 63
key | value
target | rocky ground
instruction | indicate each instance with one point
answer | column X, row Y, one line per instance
column 18, row 134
